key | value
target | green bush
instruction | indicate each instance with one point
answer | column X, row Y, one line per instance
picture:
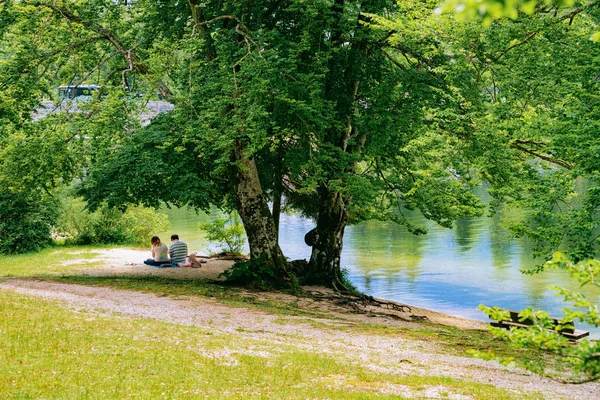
column 106, row 225
column 226, row 231
column 141, row 223
column 253, row 272
column 74, row 224
column 109, row 226
column 26, row 221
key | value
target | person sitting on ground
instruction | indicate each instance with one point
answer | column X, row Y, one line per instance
column 178, row 251
column 160, row 253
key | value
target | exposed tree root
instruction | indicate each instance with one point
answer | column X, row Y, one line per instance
column 575, row 382
column 391, row 316
column 359, row 302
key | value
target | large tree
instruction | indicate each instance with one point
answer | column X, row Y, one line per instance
column 111, row 42
column 349, row 110
column 285, row 84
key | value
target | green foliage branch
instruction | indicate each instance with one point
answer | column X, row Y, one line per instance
column 534, row 129
column 226, row 231
column 490, row 10
column 582, row 357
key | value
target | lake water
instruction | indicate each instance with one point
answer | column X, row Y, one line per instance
column 448, row 270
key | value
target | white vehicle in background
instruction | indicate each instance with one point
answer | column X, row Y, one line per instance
column 77, row 92
column 70, row 95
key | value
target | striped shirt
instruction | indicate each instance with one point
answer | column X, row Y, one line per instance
column 178, row 251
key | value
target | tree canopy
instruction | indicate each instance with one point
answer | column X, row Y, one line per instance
column 343, row 110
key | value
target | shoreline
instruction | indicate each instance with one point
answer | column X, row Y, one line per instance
column 129, row 262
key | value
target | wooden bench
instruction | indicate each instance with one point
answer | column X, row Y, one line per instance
column 516, row 321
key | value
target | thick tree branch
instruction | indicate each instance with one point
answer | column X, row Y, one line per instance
column 389, row 57
column 407, row 50
column 197, row 14
column 573, row 13
column 229, row 17
column 529, row 142
column 514, row 46
column 545, row 157
column 389, row 184
column 569, row 16
column 132, row 59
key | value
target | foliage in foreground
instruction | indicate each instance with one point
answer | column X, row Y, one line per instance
column 491, row 10
column 584, row 356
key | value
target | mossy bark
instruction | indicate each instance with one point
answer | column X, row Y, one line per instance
column 327, row 239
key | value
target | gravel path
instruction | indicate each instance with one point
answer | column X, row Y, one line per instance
column 385, row 354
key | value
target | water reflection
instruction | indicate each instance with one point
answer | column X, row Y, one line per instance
column 449, row 270
column 502, row 251
column 465, row 237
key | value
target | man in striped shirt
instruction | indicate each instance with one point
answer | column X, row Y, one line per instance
column 178, row 251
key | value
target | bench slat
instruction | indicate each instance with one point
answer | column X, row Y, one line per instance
column 576, row 335
column 514, row 317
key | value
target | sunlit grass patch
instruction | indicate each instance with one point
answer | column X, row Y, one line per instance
column 49, row 351
column 448, row 340
column 413, row 386
column 61, row 264
column 53, row 260
column 158, row 285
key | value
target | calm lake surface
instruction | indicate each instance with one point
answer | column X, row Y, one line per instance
column 448, row 270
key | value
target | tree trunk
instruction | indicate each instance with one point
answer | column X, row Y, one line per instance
column 327, row 238
column 277, row 192
column 254, row 211
column 276, row 212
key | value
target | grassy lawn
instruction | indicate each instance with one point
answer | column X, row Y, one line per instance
column 449, row 339
column 62, row 264
column 48, row 351
column 53, row 260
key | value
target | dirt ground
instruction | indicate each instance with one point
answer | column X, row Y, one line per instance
column 126, row 262
column 389, row 354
